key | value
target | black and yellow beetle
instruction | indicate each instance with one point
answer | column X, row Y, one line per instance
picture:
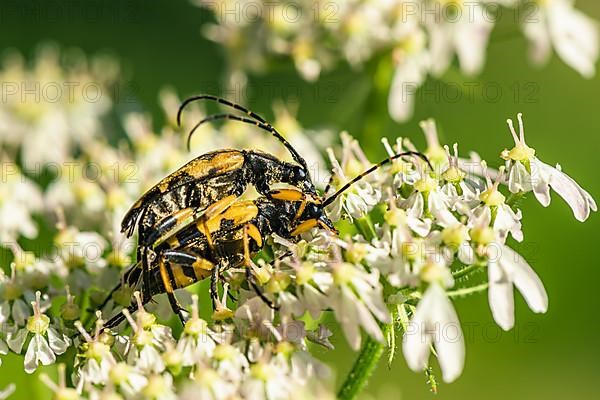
column 193, row 225
column 179, row 197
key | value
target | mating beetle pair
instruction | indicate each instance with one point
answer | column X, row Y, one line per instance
column 192, row 224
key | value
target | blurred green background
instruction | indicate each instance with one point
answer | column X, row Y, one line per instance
column 550, row 356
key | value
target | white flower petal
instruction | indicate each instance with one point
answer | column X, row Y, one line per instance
column 419, row 226
column 466, row 254
column 438, row 206
column 508, row 221
column 519, row 179
column 525, row 279
column 58, row 343
column 38, row 352
column 575, row 37
column 409, row 76
column 416, row 345
column 435, row 319
column 4, row 312
column 449, row 340
column 346, row 314
column 150, row 360
column 541, row 191
column 7, row 391
column 16, row 340
column 20, row 312
column 471, row 38
column 540, row 45
column 368, row 322
column 500, row 297
column 578, row 199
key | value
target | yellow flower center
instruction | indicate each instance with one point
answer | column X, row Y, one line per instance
column 436, row 154
column 142, row 338
column 395, row 217
column 521, row 152
column 224, row 352
column 66, row 394
column 343, row 273
column 195, row 327
column 279, row 282
column 357, row 252
column 434, row 271
column 156, row 387
column 146, row 319
column 305, row 273
column 401, row 167
column 492, row 197
column 222, row 313
column 97, row 350
column 119, row 373
column 412, row 250
column 285, row 348
column 426, row 184
column 261, row 371
column 453, row 175
column 483, row 235
column 38, row 324
column 456, row 235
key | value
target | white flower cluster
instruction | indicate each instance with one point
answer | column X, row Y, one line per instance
column 68, row 205
column 429, row 231
column 421, row 36
column 413, row 235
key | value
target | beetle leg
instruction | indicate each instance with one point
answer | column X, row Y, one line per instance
column 184, row 268
column 294, row 195
column 131, row 277
column 146, row 295
column 168, row 228
column 304, row 226
column 120, row 317
column 166, row 274
column 250, row 230
column 258, row 291
column 214, row 281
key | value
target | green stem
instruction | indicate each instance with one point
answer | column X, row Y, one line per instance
column 364, row 366
column 465, row 271
column 514, row 199
column 365, row 227
column 468, row 290
column 372, row 350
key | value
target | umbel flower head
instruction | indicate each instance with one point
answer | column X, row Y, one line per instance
column 413, row 236
column 417, row 39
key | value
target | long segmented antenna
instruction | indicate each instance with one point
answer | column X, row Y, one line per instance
column 256, row 120
column 330, row 181
column 388, row 160
column 218, row 100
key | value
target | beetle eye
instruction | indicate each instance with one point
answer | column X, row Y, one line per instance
column 299, row 174
column 313, row 210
